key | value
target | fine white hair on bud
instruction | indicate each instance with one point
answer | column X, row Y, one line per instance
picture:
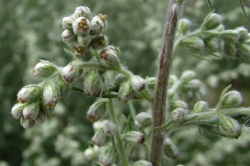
column 51, row 94
column 106, row 157
column 64, row 88
column 232, row 99
column 31, row 110
column 138, row 83
column 229, row 127
column 212, row 21
column 143, row 119
column 67, row 22
column 109, row 128
column 17, row 110
column 99, row 24
column 80, row 50
column 99, row 138
column 178, row 115
column 46, row 110
column 99, row 41
column 27, row 123
column 195, row 44
column 70, row 73
column 44, row 69
column 183, row 26
column 69, row 37
column 84, row 40
column 230, row 36
column 187, row 75
column 170, row 149
column 28, row 93
column 109, row 57
column 200, row 106
column 126, row 91
column 134, row 137
column 40, row 118
column 82, row 11
column 81, row 26
column 96, row 110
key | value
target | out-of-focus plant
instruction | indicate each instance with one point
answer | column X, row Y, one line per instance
column 129, row 139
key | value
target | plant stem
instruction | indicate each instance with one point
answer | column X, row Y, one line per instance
column 159, row 104
column 117, row 135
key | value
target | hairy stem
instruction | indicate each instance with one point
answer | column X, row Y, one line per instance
column 117, row 135
column 159, row 104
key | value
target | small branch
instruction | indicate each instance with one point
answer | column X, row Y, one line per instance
column 159, row 104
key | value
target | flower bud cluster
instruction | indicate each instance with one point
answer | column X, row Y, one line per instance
column 38, row 101
column 81, row 33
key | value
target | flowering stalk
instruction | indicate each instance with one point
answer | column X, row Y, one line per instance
column 159, row 104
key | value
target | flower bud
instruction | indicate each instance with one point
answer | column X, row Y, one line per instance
column 109, row 57
column 243, row 32
column 151, row 82
column 138, row 83
column 27, row 123
column 179, row 104
column 193, row 84
column 126, row 92
column 109, row 129
column 96, row 110
column 99, row 42
column 184, row 26
column 212, row 45
column 229, row 127
column 40, row 118
column 44, row 69
column 28, row 93
column 51, row 94
column 46, row 110
column 17, row 110
column 244, row 52
column 119, row 79
column 80, row 51
column 81, row 26
column 99, row 138
column 67, row 22
column 134, row 137
column 64, row 88
column 142, row 163
column 232, row 99
column 144, row 119
column 82, row 11
column 84, row 40
column 170, row 149
column 200, row 106
column 187, row 75
column 178, row 115
column 31, row 110
column 99, row 23
column 70, row 73
column 211, row 21
column 195, row 44
column 107, row 156
column 230, row 36
column 93, row 84
column 230, row 50
column 91, row 153
column 69, row 37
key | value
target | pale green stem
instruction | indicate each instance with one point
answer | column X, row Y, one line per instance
column 117, row 135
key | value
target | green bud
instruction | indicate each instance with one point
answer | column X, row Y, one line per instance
column 187, row 75
column 91, row 153
column 195, row 44
column 84, row 40
column 138, row 83
column 17, row 110
column 31, row 110
column 46, row 110
column 99, row 138
column 64, row 88
column 211, row 21
column 179, row 104
column 28, row 93
column 151, row 82
column 126, row 92
column 81, row 26
column 40, row 118
column 107, row 156
column 96, row 110
column 229, row 127
column 247, row 3
column 232, row 99
column 69, row 37
column 143, row 119
column 27, row 123
column 51, row 94
column 67, row 22
column 200, row 106
column 119, row 79
column 244, row 52
column 212, row 45
column 109, row 57
column 243, row 32
column 178, row 115
column 134, row 137
column 109, row 129
column 82, row 11
column 192, row 84
column 230, row 50
column 170, row 149
column 93, row 84
column 230, row 36
column 70, row 73
column 99, row 24
column 183, row 26
column 142, row 163
column 44, row 69
column 99, row 42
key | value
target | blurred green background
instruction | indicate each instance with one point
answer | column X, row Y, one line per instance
column 30, row 30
